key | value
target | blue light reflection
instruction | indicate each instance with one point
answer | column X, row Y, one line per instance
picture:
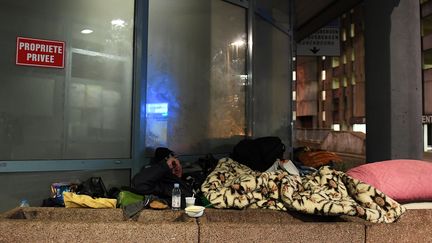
column 161, row 108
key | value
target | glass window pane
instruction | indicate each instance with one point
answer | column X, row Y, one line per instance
column 196, row 70
column 81, row 111
column 272, row 82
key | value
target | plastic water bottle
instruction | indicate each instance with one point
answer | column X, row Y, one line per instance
column 176, row 197
column 24, row 203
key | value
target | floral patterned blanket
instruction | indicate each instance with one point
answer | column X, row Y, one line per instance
column 325, row 192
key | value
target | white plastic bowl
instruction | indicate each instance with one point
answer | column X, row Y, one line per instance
column 194, row 211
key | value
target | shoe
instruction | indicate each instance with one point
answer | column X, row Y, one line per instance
column 132, row 209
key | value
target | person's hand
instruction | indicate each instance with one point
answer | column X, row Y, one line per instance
column 175, row 166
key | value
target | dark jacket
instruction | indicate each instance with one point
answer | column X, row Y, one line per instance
column 157, row 179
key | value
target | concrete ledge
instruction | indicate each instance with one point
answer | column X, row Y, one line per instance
column 43, row 231
column 270, row 232
column 407, row 232
column 95, row 225
column 414, row 226
column 257, row 225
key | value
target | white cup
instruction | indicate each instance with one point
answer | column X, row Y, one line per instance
column 190, row 201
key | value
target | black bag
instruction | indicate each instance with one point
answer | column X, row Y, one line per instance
column 195, row 178
column 207, row 163
column 93, row 187
column 260, row 153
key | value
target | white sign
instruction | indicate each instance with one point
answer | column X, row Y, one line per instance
column 427, row 119
column 324, row 42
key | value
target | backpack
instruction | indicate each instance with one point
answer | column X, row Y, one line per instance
column 260, row 153
column 93, row 187
column 196, row 178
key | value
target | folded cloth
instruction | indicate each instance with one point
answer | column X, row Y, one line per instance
column 319, row 158
column 126, row 197
column 73, row 200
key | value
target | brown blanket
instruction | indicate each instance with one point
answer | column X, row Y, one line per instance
column 326, row 192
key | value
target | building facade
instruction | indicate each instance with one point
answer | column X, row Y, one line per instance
column 330, row 90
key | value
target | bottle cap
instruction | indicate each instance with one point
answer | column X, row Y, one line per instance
column 24, row 203
column 176, row 185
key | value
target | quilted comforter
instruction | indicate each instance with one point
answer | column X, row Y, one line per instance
column 325, row 192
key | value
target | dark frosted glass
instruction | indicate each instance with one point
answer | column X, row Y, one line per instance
column 81, row 111
column 272, row 82
column 195, row 82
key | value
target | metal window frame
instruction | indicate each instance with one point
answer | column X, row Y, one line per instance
column 256, row 10
column 252, row 10
column 138, row 132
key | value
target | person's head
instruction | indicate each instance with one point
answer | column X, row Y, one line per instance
column 164, row 155
column 175, row 166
